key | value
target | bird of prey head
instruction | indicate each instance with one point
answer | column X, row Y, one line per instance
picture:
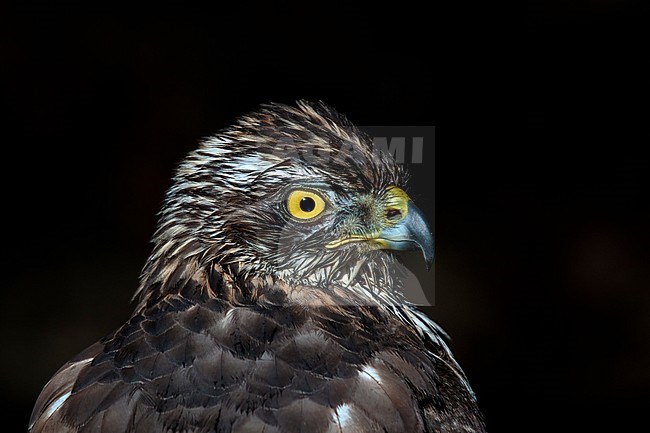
column 299, row 194
column 270, row 302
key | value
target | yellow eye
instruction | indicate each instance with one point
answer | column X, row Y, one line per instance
column 305, row 205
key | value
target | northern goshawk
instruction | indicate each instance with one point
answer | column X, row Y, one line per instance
column 270, row 301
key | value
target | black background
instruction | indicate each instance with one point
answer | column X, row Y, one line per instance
column 541, row 175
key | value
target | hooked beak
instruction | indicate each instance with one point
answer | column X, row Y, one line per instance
column 410, row 233
column 406, row 230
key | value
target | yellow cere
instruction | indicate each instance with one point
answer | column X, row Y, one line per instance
column 395, row 199
column 398, row 200
column 305, row 205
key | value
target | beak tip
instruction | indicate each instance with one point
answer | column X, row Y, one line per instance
column 411, row 233
column 428, row 256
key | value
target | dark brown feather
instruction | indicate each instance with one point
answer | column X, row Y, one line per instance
column 248, row 368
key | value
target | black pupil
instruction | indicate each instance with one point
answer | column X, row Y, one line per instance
column 307, row 204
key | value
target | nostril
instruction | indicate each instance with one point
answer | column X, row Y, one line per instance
column 393, row 213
